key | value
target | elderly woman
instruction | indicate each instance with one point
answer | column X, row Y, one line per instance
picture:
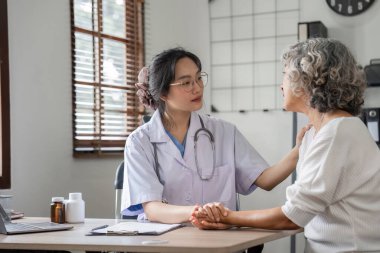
column 336, row 197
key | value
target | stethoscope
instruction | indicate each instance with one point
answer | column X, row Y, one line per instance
column 210, row 137
column 203, row 131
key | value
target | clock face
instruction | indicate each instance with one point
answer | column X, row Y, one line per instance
column 349, row 7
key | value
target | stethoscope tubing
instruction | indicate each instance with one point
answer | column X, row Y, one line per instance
column 212, row 141
column 211, row 138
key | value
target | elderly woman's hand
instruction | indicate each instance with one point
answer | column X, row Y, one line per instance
column 210, row 216
column 204, row 224
column 215, row 211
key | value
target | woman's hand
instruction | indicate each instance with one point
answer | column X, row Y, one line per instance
column 275, row 174
column 210, row 216
column 204, row 224
column 213, row 211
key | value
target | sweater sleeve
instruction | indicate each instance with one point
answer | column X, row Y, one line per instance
column 314, row 190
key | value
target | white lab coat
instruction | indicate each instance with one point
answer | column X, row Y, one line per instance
column 237, row 165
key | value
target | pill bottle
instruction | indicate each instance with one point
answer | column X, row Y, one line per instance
column 57, row 210
column 75, row 208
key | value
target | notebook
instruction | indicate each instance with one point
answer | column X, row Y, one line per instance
column 9, row 228
column 135, row 228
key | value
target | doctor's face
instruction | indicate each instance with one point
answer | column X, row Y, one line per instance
column 180, row 97
column 292, row 102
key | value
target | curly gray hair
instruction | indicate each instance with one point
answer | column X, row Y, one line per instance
column 325, row 70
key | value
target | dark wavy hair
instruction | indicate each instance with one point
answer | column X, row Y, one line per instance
column 162, row 73
column 325, row 70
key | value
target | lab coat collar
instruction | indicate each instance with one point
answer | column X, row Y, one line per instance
column 158, row 135
column 157, row 131
column 195, row 124
column 163, row 142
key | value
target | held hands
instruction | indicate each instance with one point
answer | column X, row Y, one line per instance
column 210, row 216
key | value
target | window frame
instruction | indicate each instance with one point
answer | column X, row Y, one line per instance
column 97, row 147
column 5, row 178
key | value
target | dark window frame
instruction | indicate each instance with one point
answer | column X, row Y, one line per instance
column 97, row 138
column 5, row 178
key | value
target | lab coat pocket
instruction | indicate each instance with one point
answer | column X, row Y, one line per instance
column 221, row 186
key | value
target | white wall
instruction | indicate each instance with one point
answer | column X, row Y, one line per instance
column 40, row 98
column 40, row 75
column 178, row 23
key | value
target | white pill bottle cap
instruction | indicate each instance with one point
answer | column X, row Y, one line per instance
column 75, row 195
column 57, row 199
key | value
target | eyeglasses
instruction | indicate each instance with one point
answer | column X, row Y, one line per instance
column 188, row 83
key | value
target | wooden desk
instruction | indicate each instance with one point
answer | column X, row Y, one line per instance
column 187, row 239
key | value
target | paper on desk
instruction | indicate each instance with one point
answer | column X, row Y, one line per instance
column 137, row 228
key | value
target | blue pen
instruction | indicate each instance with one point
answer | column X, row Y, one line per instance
column 101, row 227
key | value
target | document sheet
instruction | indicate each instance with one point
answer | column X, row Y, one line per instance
column 137, row 228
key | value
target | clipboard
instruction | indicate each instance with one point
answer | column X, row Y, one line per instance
column 135, row 228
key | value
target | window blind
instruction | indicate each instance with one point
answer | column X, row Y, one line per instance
column 107, row 53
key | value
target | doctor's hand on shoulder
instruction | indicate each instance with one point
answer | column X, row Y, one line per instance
column 278, row 172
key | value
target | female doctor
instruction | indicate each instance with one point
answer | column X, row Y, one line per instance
column 180, row 158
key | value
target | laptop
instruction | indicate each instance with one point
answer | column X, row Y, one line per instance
column 10, row 228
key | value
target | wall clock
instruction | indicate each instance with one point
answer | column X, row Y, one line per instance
column 349, row 7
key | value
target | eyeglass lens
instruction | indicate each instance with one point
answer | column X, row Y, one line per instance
column 201, row 81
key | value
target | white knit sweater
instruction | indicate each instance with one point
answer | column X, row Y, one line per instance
column 336, row 196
